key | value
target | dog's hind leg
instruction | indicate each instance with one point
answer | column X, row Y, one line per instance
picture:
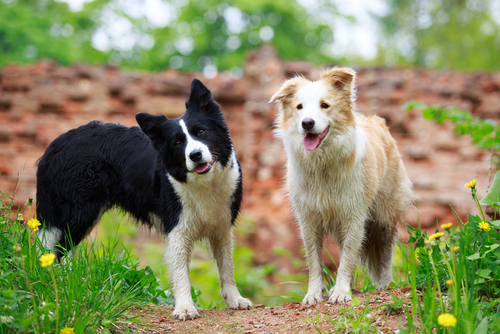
column 79, row 221
column 313, row 242
column 378, row 251
column 49, row 237
column 222, row 247
column 178, row 256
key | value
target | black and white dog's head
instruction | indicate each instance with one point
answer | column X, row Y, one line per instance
column 195, row 143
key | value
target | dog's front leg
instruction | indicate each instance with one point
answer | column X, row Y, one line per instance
column 222, row 247
column 350, row 246
column 313, row 242
column 178, row 257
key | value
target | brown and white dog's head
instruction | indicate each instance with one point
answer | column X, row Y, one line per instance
column 316, row 111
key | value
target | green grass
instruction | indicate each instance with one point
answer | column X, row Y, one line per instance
column 90, row 291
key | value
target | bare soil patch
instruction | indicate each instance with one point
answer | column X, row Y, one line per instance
column 287, row 318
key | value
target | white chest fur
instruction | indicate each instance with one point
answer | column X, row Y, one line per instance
column 323, row 185
column 206, row 200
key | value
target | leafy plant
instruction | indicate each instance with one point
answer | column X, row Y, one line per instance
column 458, row 273
column 484, row 132
column 397, row 305
column 90, row 290
column 352, row 320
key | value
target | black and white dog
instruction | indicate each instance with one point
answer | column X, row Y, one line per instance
column 180, row 176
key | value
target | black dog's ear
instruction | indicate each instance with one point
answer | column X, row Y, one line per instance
column 150, row 124
column 200, row 96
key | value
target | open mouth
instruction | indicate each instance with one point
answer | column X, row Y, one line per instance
column 205, row 167
column 313, row 140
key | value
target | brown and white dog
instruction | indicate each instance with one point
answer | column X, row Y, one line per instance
column 344, row 176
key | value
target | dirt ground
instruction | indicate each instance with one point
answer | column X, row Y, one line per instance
column 287, row 318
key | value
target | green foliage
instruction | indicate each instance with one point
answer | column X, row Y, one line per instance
column 397, row 306
column 201, row 34
column 492, row 197
column 91, row 289
column 212, row 39
column 458, row 273
column 352, row 320
column 32, row 30
column 440, row 34
column 484, row 132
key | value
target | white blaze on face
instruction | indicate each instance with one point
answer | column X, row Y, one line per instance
column 193, row 145
column 310, row 96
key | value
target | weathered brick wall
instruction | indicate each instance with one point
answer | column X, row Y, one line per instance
column 39, row 102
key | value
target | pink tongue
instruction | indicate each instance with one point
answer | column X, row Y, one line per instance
column 201, row 168
column 311, row 141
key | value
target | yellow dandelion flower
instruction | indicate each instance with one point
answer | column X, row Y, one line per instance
column 449, row 282
column 34, row 223
column 447, row 320
column 436, row 236
column 456, row 249
column 67, row 330
column 484, row 226
column 47, row 260
column 446, row 226
column 471, row 184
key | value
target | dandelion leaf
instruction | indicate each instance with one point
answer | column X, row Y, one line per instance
column 484, row 273
column 474, row 256
column 492, row 197
column 482, row 328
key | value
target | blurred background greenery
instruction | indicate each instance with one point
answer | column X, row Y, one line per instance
column 211, row 35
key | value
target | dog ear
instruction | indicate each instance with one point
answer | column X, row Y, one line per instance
column 200, row 96
column 286, row 90
column 150, row 125
column 340, row 78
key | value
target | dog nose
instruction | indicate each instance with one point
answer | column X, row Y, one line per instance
column 308, row 124
column 195, row 156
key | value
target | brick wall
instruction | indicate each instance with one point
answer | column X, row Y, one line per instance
column 41, row 101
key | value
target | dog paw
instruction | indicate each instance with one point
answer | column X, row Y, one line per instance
column 313, row 298
column 239, row 303
column 339, row 297
column 187, row 312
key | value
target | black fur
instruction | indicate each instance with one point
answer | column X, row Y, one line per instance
column 88, row 170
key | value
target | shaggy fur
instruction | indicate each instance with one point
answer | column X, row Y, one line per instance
column 181, row 176
column 344, row 176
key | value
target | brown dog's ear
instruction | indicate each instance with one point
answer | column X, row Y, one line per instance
column 339, row 77
column 286, row 90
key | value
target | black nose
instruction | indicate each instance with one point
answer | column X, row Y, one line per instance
column 195, row 156
column 308, row 124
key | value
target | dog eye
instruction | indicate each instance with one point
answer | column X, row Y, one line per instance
column 177, row 143
column 299, row 106
column 201, row 131
column 324, row 105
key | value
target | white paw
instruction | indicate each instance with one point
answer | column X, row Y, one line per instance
column 339, row 296
column 239, row 303
column 185, row 312
column 313, row 298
